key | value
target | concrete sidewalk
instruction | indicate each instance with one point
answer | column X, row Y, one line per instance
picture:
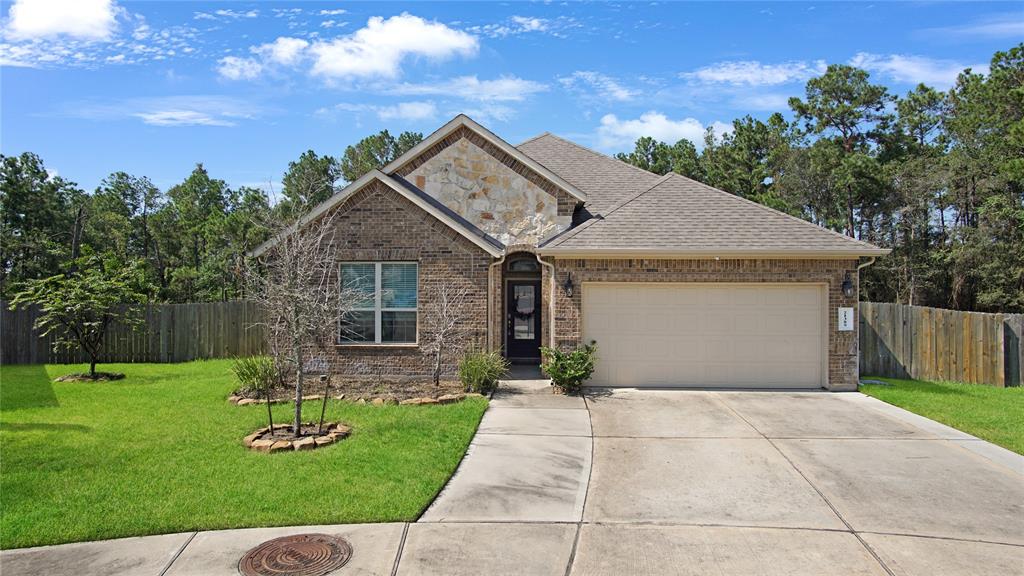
column 652, row 482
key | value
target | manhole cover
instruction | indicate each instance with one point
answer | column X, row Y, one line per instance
column 298, row 555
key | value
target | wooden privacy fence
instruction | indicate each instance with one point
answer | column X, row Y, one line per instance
column 922, row 343
column 167, row 333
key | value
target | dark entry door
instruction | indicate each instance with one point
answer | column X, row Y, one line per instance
column 523, row 320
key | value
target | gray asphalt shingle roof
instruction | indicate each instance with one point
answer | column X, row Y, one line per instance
column 604, row 180
column 636, row 210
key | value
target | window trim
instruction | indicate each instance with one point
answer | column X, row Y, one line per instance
column 378, row 309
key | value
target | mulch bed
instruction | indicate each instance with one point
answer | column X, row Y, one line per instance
column 100, row 377
column 367, row 389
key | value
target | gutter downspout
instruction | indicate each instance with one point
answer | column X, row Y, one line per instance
column 551, row 302
column 859, row 268
column 490, row 303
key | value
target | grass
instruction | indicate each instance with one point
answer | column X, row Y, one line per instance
column 990, row 413
column 161, row 451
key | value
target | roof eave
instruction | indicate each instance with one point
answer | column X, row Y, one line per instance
column 671, row 253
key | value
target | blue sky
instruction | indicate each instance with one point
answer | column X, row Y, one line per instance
column 151, row 88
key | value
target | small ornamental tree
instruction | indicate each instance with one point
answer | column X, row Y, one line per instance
column 445, row 320
column 295, row 284
column 79, row 307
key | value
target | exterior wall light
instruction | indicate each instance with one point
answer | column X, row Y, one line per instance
column 568, row 286
column 848, row 286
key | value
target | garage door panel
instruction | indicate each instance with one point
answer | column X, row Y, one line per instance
column 693, row 335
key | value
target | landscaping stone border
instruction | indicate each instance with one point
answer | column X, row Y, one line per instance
column 334, row 431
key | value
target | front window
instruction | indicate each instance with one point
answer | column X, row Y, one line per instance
column 381, row 307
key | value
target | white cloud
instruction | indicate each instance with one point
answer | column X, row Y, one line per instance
column 168, row 110
column 408, row 111
column 501, row 89
column 762, row 101
column 181, row 118
column 236, row 68
column 285, row 51
column 380, row 48
column 910, row 69
column 530, row 24
column 516, row 25
column 332, row 24
column 83, row 19
column 599, row 84
column 754, row 73
column 401, row 111
column 614, row 133
column 996, row 26
column 229, row 14
column 337, row 12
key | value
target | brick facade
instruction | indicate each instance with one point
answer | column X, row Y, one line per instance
column 379, row 224
column 842, row 346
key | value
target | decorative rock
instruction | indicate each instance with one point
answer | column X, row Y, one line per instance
column 234, row 399
column 340, row 431
column 262, row 445
column 339, row 397
column 248, row 440
column 280, row 445
column 321, row 440
column 361, row 401
column 247, row 401
column 409, row 401
column 449, row 398
column 307, row 443
column 378, row 402
column 314, row 397
column 428, row 401
column 391, row 401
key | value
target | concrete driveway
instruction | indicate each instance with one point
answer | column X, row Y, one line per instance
column 664, row 482
column 706, row 482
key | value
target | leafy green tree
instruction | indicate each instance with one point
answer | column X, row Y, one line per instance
column 374, row 152
column 661, row 158
column 309, row 181
column 844, row 106
column 79, row 307
column 40, row 220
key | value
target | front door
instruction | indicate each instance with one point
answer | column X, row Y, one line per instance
column 522, row 338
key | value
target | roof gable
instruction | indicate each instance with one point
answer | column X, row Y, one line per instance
column 417, row 197
column 463, row 126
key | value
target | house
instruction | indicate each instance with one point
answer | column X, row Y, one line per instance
column 680, row 284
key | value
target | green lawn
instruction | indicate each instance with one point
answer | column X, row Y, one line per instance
column 990, row 413
column 161, row 451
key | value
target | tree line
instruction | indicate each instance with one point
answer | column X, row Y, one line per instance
column 936, row 176
column 185, row 244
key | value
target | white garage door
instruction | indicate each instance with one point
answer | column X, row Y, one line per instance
column 714, row 335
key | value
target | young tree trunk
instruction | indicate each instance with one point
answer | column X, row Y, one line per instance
column 270, row 413
column 437, row 367
column 297, row 423
column 92, row 368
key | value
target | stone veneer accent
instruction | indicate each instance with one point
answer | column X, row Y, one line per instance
column 842, row 346
column 498, row 200
column 378, row 224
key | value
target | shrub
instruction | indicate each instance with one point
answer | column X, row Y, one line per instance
column 569, row 370
column 480, row 371
column 255, row 374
